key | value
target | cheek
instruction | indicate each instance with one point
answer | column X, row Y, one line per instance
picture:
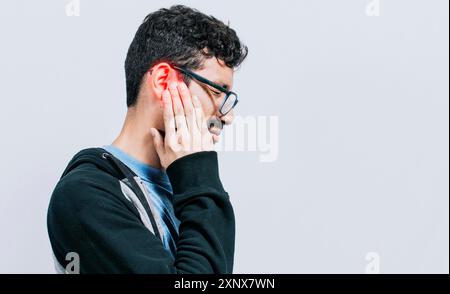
column 208, row 107
column 205, row 100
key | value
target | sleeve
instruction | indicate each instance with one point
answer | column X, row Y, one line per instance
column 84, row 217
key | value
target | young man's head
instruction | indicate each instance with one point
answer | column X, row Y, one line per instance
column 181, row 37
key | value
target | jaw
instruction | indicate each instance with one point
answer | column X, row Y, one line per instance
column 216, row 139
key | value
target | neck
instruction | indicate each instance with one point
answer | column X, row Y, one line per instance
column 135, row 138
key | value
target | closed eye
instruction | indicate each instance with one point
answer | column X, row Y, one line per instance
column 215, row 93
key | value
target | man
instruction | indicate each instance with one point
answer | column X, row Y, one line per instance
column 152, row 201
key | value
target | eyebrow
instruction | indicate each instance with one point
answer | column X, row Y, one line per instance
column 220, row 83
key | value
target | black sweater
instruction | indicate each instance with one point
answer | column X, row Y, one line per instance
column 89, row 215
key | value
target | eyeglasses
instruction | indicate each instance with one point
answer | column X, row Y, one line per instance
column 230, row 100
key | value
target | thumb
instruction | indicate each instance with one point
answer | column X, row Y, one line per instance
column 157, row 141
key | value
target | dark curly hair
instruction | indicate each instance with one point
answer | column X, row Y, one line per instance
column 183, row 37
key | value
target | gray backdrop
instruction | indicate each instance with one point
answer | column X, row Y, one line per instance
column 360, row 92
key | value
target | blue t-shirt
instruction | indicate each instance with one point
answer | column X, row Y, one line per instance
column 158, row 184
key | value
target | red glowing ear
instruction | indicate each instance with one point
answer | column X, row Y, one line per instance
column 161, row 75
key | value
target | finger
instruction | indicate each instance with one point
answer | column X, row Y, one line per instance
column 180, row 118
column 188, row 107
column 169, row 121
column 199, row 114
column 158, row 142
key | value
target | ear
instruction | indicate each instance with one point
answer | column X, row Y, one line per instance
column 160, row 77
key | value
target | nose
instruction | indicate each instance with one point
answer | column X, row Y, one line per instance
column 228, row 118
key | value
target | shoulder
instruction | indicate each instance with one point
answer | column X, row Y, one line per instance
column 84, row 187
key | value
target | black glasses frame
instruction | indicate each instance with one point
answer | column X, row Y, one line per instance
column 214, row 85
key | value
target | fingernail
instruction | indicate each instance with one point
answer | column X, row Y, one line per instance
column 152, row 132
column 173, row 86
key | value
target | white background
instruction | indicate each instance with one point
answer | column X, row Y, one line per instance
column 363, row 108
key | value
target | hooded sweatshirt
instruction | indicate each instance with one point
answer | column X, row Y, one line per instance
column 100, row 210
column 159, row 193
